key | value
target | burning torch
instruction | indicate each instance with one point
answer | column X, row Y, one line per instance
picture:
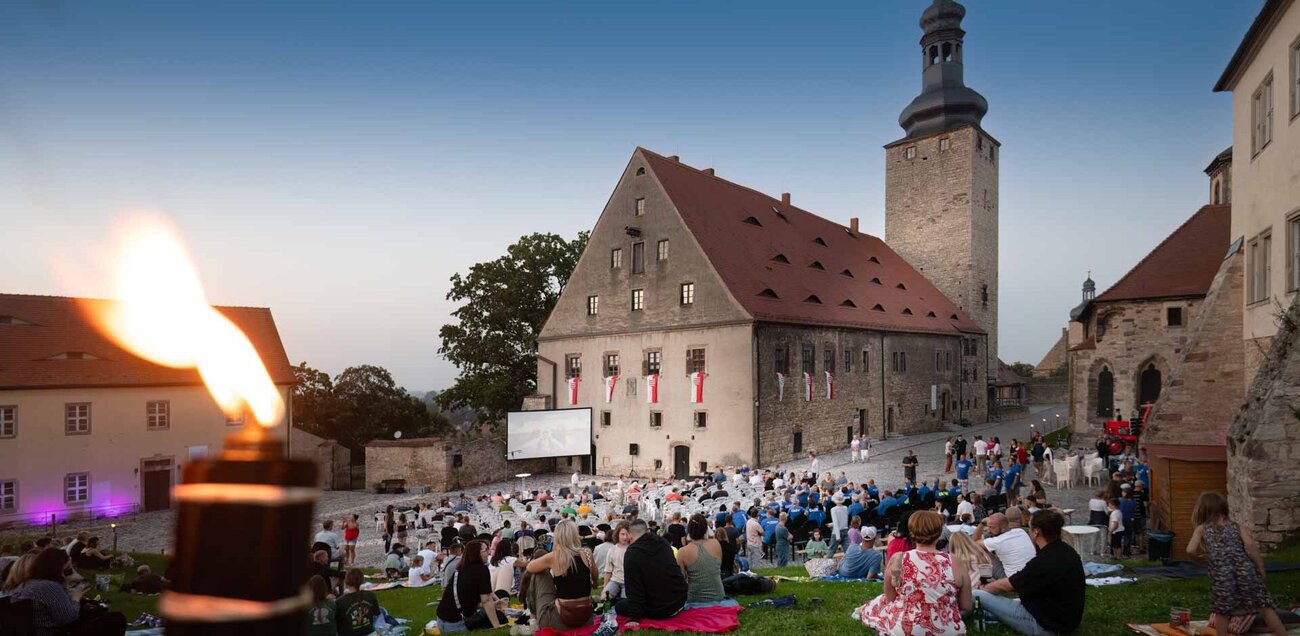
column 243, row 518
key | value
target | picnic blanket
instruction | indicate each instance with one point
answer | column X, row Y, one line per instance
column 1108, row 580
column 1192, row 570
column 708, row 620
column 373, row 587
column 1091, row 568
column 835, row 578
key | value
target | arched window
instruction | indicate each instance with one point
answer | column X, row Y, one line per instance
column 1105, row 392
column 934, row 54
column 1149, row 385
column 947, row 51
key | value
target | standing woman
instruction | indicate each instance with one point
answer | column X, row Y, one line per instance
column 390, row 528
column 1237, row 589
column 573, row 569
column 351, row 532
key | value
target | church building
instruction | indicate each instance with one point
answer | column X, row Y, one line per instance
column 707, row 323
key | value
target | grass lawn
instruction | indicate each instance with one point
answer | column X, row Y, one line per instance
column 1107, row 609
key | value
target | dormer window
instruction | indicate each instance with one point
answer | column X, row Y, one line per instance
column 817, row 265
column 930, row 314
column 911, row 152
column 820, row 241
column 12, row 320
column 907, row 311
column 768, row 293
column 813, row 299
column 876, row 281
column 873, row 260
column 901, row 286
column 73, row 355
column 753, row 221
column 849, row 303
column 878, row 307
column 778, row 213
column 847, row 273
column 780, row 258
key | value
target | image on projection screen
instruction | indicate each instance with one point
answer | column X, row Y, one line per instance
column 558, row 433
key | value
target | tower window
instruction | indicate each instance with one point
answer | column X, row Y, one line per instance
column 947, row 51
column 911, row 152
column 945, row 144
column 593, row 305
column 1174, row 316
column 984, row 295
column 979, row 143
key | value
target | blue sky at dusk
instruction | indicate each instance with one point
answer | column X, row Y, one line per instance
column 337, row 162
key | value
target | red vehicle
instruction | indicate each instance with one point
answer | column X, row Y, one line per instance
column 1121, row 433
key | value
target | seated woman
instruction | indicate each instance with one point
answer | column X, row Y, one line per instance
column 922, row 588
column 565, row 602
column 92, row 557
column 965, row 552
column 700, row 562
column 504, row 568
column 816, row 548
column 728, row 563
column 145, row 582
column 900, row 541
column 469, row 589
column 55, row 608
column 418, row 576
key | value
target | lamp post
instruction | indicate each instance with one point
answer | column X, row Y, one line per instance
column 114, row 528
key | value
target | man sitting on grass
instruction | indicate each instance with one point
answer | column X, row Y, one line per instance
column 1051, row 586
column 653, row 582
column 862, row 560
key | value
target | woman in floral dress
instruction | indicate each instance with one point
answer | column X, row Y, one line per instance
column 1237, row 589
column 924, row 594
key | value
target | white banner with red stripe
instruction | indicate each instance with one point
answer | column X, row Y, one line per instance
column 573, row 391
column 830, row 385
column 780, row 385
column 610, row 382
column 807, row 386
column 697, row 387
column 652, row 389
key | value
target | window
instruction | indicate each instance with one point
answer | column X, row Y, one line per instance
column 781, row 361
column 688, row 293
column 615, row 258
column 638, row 258
column 848, row 361
column 8, row 421
column 704, row 468
column 1261, row 115
column 661, row 250
column 611, row 365
column 1295, row 78
column 701, row 419
column 911, row 152
column 652, row 362
column 573, row 366
column 659, row 464
column 828, row 359
column 797, row 442
column 76, row 488
column 694, row 360
column 1174, row 316
column 866, row 361
column 1259, row 255
column 640, row 207
column 605, row 418
column 8, row 495
column 900, row 361
column 945, row 144
column 809, row 359
column 979, row 143
column 76, row 419
column 947, row 361
column 593, row 305
column 638, row 299
column 1293, row 253
column 157, row 415
column 656, row 419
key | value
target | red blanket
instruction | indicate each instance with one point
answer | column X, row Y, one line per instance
column 710, row 620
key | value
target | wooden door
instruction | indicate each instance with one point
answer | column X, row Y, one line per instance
column 156, row 485
column 681, row 462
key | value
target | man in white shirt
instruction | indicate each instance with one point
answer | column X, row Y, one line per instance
column 327, row 536
column 816, row 466
column 839, row 526
column 430, row 557
column 778, row 483
column 755, row 478
column 981, row 453
column 854, row 450
column 964, row 507
column 1012, row 546
column 573, row 479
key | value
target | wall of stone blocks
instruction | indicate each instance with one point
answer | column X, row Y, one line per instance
column 333, row 460
column 1047, row 391
column 432, row 463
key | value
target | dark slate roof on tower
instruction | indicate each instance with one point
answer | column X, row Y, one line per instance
column 714, row 210
column 945, row 101
column 1182, row 265
column 37, row 333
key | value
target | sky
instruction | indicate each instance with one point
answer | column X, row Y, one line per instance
column 339, row 161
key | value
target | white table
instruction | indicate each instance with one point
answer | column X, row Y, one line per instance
column 522, row 486
column 1084, row 539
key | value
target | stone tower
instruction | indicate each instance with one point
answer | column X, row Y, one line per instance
column 941, row 179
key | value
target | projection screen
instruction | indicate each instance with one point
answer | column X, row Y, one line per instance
column 557, row 433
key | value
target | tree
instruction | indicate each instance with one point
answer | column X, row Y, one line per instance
column 359, row 405
column 313, row 397
column 504, row 303
column 1023, row 369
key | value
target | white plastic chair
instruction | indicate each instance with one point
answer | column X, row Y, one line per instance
column 1061, row 468
column 1093, row 470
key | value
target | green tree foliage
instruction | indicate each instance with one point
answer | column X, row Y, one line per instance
column 1023, row 369
column 359, row 405
column 503, row 305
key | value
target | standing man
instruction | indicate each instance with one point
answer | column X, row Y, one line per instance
column 753, row 538
column 816, row 464
column 839, row 525
column 981, row 453
column 909, row 467
column 781, row 540
column 959, row 446
column 854, row 449
column 866, row 448
column 947, row 455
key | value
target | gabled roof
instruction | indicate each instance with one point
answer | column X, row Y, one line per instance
column 1182, row 265
column 1259, row 30
column 715, row 211
column 1007, row 377
column 37, row 331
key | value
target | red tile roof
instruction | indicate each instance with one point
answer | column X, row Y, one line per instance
column 42, row 327
column 716, row 212
column 1184, row 264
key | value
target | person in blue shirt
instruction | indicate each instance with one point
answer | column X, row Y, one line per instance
column 814, row 498
column 1143, row 472
column 769, row 524
column 794, row 512
column 816, row 516
column 856, row 508
column 1012, row 482
column 923, row 491
column 738, row 517
column 886, row 504
column 963, row 467
column 862, row 560
column 801, row 496
column 996, row 475
column 872, row 489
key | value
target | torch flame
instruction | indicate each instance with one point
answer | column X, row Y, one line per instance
column 162, row 315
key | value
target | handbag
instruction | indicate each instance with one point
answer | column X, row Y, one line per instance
column 575, row 612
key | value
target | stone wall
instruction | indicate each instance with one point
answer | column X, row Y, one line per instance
column 1125, row 337
column 333, row 460
column 1047, row 391
column 1264, row 442
column 1056, row 356
column 446, row 464
column 941, row 216
column 872, row 388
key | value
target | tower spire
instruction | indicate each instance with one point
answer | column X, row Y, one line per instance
column 945, row 101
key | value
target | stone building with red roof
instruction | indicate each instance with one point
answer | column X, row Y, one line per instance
column 88, row 429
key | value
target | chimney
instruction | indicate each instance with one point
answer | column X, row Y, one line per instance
column 853, row 225
column 674, row 158
column 708, row 171
column 785, row 198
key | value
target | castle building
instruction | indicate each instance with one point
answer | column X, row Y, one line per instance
column 707, row 323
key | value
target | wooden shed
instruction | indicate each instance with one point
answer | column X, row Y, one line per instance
column 1179, row 474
